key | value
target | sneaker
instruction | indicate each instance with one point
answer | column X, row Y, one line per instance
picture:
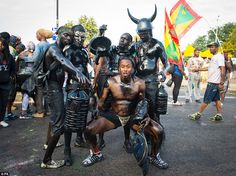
column 198, row 101
column 92, row 159
column 217, row 117
column 38, row 115
column 52, row 164
column 25, row 116
column 4, row 124
column 177, row 103
column 158, row 162
column 195, row 116
column 59, row 144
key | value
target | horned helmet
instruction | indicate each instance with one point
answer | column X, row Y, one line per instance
column 143, row 24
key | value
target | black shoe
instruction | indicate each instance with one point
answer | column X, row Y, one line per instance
column 198, row 101
column 158, row 162
column 127, row 146
column 92, row 159
column 67, row 157
column 187, row 101
column 101, row 144
column 68, row 161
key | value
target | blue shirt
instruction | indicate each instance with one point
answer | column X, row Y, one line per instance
column 39, row 52
column 177, row 71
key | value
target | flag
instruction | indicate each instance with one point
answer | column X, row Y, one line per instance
column 171, row 42
column 183, row 17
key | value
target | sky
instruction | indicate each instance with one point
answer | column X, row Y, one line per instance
column 24, row 17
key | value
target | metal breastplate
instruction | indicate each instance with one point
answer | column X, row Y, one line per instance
column 147, row 66
column 147, row 63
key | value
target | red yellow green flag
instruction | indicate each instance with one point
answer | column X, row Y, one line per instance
column 171, row 42
column 183, row 17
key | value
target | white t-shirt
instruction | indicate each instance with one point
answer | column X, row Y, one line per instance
column 214, row 68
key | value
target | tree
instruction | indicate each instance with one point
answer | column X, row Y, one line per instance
column 223, row 32
column 89, row 24
column 230, row 44
column 200, row 43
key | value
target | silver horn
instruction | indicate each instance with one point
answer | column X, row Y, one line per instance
column 154, row 15
column 135, row 20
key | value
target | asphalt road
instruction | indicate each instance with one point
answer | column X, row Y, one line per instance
column 191, row 148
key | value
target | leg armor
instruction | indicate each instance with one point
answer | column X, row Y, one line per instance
column 141, row 111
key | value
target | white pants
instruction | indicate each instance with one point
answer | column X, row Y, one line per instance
column 193, row 86
column 25, row 102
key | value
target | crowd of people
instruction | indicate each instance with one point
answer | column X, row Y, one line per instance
column 122, row 92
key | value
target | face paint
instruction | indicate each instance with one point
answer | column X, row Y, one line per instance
column 79, row 38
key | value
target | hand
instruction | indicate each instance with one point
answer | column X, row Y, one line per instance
column 221, row 87
column 146, row 121
column 81, row 78
column 186, row 77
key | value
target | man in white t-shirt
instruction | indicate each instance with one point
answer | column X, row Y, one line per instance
column 194, row 80
column 216, row 78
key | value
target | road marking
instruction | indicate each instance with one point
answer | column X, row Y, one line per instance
column 17, row 164
column 227, row 97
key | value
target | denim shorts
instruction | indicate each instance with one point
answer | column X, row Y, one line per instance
column 212, row 93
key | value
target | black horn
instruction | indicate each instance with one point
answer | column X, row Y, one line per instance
column 154, row 15
column 135, row 20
